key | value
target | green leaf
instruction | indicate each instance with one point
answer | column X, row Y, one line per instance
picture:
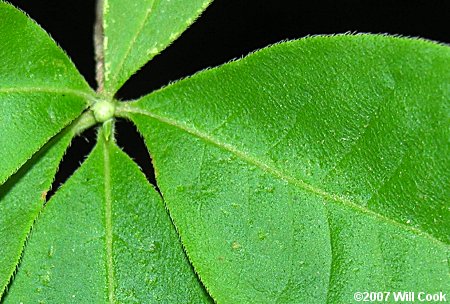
column 22, row 198
column 40, row 89
column 105, row 237
column 137, row 31
column 309, row 170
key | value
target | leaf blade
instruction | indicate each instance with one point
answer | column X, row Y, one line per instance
column 39, row 86
column 108, row 242
column 271, row 112
column 154, row 25
column 22, row 198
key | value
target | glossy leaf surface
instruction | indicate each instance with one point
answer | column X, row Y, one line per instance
column 105, row 237
column 40, row 89
column 137, row 31
column 309, row 170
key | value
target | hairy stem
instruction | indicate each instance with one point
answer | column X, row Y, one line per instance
column 84, row 122
column 98, row 44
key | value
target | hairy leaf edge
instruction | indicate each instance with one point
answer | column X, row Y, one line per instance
column 126, row 110
column 72, row 130
column 51, row 39
column 77, row 125
column 115, row 83
column 161, row 195
column 87, row 96
column 236, row 60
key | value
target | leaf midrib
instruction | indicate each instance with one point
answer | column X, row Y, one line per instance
column 88, row 97
column 108, row 222
column 133, row 109
column 133, row 41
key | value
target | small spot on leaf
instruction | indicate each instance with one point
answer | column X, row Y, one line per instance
column 235, row 245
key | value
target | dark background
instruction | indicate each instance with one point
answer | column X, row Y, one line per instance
column 228, row 29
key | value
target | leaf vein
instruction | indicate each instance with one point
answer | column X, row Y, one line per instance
column 134, row 39
column 89, row 97
column 108, row 223
column 243, row 155
column 351, row 149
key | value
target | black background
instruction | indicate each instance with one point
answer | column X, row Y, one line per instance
column 228, row 29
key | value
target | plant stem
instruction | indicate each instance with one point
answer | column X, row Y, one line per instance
column 98, row 44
